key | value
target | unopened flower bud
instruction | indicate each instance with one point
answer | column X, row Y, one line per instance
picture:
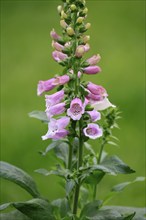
column 85, row 11
column 73, row 7
column 59, row 9
column 63, row 14
column 87, row 26
column 80, row 51
column 86, row 39
column 54, row 35
column 70, row 31
column 57, row 46
column 63, row 24
column 80, row 20
column 94, row 59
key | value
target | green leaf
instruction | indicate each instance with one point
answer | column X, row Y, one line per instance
column 18, row 176
column 123, row 210
column 61, row 152
column 5, row 206
column 36, row 209
column 39, row 115
column 59, row 172
column 122, row 186
column 105, row 215
column 14, row 215
column 90, row 209
column 69, row 186
column 94, row 177
column 113, row 165
column 52, row 146
column 63, row 207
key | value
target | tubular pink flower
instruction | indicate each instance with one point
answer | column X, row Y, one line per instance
column 54, row 35
column 59, row 56
column 57, row 46
column 102, row 105
column 91, row 97
column 94, row 115
column 54, row 98
column 93, row 60
column 96, row 89
column 45, row 86
column 92, row 70
column 61, row 80
column 56, row 128
column 76, row 109
column 55, row 110
column 93, row 131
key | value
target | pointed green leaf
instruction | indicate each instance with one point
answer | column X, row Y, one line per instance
column 122, row 186
column 61, row 152
column 36, row 209
column 18, row 176
column 5, row 206
column 14, row 215
column 39, row 115
column 62, row 205
column 69, row 186
column 52, row 146
column 140, row 212
column 113, row 165
column 90, row 209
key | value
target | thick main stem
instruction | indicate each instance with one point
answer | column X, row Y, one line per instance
column 80, row 158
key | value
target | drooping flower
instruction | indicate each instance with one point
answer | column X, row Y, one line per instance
column 56, row 128
column 92, row 69
column 93, row 60
column 45, row 86
column 76, row 109
column 57, row 46
column 93, row 131
column 96, row 89
column 59, row 56
column 92, row 97
column 54, row 35
column 102, row 105
column 94, row 115
column 54, row 98
column 55, row 110
column 61, row 80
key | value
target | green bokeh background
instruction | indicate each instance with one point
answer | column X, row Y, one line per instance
column 117, row 33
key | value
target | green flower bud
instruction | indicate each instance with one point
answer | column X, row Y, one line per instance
column 63, row 24
column 88, row 25
column 70, row 31
column 86, row 38
column 63, row 15
column 85, row 11
column 59, row 9
column 80, row 20
column 73, row 7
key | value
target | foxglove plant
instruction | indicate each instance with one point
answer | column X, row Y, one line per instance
column 77, row 112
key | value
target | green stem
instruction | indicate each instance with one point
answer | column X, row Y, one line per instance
column 101, row 150
column 70, row 156
column 80, row 158
column 94, row 192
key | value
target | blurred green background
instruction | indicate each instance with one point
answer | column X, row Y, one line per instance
column 117, row 33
